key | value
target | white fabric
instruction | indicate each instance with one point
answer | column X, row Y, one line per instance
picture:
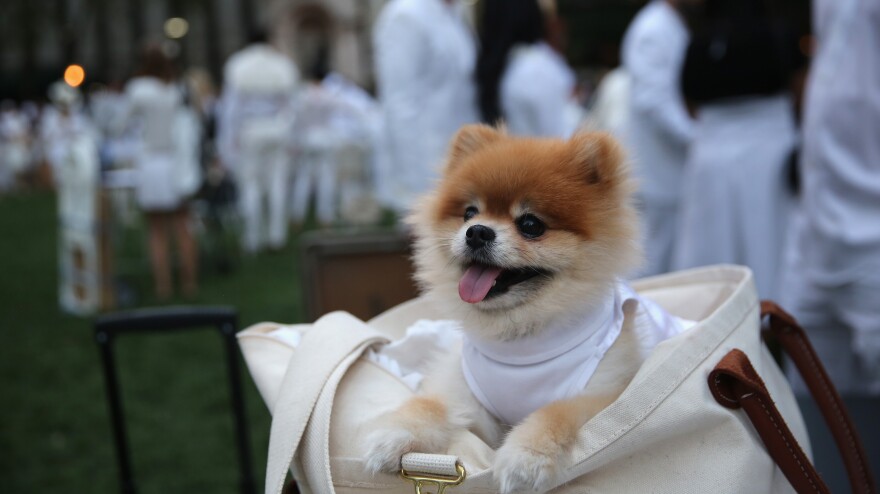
column 14, row 144
column 610, row 110
column 336, row 136
column 556, row 364
column 71, row 145
column 73, row 154
column 263, row 178
column 254, row 124
column 659, row 128
column 665, row 433
column 826, row 312
column 258, row 83
column 841, row 155
column 736, row 203
column 166, row 146
column 425, row 57
column 836, row 244
column 660, row 228
column 155, row 104
column 536, row 91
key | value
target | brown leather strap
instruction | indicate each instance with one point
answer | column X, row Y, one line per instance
column 734, row 384
column 794, row 340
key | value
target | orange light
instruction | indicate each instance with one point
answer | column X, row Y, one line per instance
column 74, row 75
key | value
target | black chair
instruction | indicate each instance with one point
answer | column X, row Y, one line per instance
column 224, row 319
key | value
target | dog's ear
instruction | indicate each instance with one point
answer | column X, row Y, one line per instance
column 469, row 139
column 599, row 156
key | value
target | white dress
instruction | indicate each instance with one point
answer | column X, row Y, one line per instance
column 425, row 58
column 735, row 201
column 71, row 146
column 536, row 92
column 659, row 129
column 153, row 107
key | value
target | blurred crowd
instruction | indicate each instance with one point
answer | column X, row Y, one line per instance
column 737, row 161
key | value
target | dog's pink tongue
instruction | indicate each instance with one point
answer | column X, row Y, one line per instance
column 476, row 283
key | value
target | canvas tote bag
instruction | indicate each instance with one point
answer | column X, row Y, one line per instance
column 709, row 411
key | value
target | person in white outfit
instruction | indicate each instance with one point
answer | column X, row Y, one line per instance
column 659, row 127
column 166, row 153
column 71, row 147
column 522, row 80
column 335, row 134
column 254, row 124
column 15, row 152
column 833, row 273
column 425, row 55
column 736, row 198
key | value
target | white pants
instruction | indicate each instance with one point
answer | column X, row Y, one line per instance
column 263, row 174
column 659, row 229
column 843, row 323
column 315, row 176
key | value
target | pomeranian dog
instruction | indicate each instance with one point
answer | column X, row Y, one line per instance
column 525, row 242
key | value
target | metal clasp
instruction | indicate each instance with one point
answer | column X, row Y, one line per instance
column 440, row 481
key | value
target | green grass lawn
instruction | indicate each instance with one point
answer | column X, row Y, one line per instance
column 54, row 427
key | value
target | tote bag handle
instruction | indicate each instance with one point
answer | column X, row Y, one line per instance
column 735, row 384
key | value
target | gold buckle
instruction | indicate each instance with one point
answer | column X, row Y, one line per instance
column 439, row 481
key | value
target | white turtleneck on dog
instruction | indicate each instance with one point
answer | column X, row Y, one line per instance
column 514, row 378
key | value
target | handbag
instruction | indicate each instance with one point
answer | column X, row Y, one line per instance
column 708, row 411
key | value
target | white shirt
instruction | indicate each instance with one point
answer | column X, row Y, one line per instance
column 840, row 236
column 155, row 104
column 512, row 379
column 659, row 128
column 425, row 56
column 259, row 84
column 536, row 92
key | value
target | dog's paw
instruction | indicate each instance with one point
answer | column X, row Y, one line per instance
column 385, row 447
column 519, row 468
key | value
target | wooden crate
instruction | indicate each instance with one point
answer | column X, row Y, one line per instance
column 364, row 273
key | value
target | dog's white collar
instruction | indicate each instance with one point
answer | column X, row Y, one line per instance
column 594, row 323
column 513, row 379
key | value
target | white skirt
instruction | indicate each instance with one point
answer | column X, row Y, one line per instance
column 156, row 186
column 735, row 203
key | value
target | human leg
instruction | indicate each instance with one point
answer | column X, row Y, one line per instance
column 659, row 232
column 249, row 208
column 158, row 242
column 326, row 193
column 278, row 178
column 188, row 251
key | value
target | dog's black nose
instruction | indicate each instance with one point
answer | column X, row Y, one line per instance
column 478, row 236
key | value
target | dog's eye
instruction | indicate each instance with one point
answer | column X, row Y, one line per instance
column 470, row 212
column 530, row 226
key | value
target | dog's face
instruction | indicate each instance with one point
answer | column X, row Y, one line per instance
column 520, row 230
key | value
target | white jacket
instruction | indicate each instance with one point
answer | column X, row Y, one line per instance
column 425, row 58
column 659, row 127
column 259, row 84
column 536, row 92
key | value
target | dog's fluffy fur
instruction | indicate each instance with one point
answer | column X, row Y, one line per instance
column 581, row 191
